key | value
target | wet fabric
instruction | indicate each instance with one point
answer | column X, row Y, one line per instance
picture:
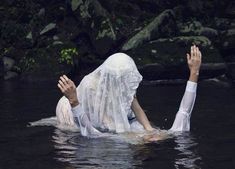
column 105, row 97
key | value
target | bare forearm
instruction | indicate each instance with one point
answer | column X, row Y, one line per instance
column 140, row 115
column 194, row 76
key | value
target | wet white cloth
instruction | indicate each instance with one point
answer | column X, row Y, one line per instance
column 181, row 122
column 105, row 98
column 182, row 119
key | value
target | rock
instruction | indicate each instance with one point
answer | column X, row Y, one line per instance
column 29, row 36
column 104, row 37
column 89, row 8
column 8, row 63
column 97, row 23
column 49, row 28
column 41, row 12
column 106, row 30
column 208, row 32
column 58, row 43
column 195, row 28
column 172, row 51
column 29, row 41
column 164, row 24
column 227, row 40
column 211, row 70
column 223, row 23
column 158, row 72
column 169, row 58
column 10, row 75
column 75, row 4
column 151, row 71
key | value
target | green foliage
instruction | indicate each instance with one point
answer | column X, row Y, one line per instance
column 66, row 55
column 27, row 64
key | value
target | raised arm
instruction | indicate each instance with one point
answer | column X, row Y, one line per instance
column 68, row 88
column 182, row 119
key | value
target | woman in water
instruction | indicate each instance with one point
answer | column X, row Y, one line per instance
column 105, row 100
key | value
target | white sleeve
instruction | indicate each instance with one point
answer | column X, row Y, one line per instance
column 83, row 122
column 182, row 119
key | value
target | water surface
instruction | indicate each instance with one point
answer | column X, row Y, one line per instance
column 210, row 144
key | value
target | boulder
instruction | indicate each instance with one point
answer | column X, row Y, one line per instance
column 41, row 12
column 227, row 40
column 223, row 23
column 10, row 75
column 211, row 70
column 97, row 24
column 162, row 25
column 172, row 51
column 8, row 63
column 168, row 57
column 208, row 32
column 152, row 71
column 51, row 27
column 156, row 71
column 75, row 4
column 195, row 28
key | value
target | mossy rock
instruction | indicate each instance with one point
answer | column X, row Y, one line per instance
column 162, row 25
column 172, row 51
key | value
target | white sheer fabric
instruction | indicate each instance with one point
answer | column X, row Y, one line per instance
column 182, row 119
column 105, row 98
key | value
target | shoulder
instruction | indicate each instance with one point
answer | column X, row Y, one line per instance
column 88, row 82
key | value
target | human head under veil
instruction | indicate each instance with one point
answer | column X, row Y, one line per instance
column 105, row 96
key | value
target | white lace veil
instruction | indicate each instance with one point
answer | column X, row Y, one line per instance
column 105, row 97
column 106, row 94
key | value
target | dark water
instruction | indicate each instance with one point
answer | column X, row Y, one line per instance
column 210, row 144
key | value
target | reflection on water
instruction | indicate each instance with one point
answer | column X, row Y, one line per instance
column 89, row 153
column 187, row 157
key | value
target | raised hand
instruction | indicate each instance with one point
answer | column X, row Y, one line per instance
column 68, row 88
column 194, row 62
column 194, row 59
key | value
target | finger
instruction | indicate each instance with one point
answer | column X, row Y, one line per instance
column 60, row 87
column 195, row 51
column 65, row 77
column 191, row 51
column 188, row 56
column 63, row 80
column 63, row 85
column 200, row 54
